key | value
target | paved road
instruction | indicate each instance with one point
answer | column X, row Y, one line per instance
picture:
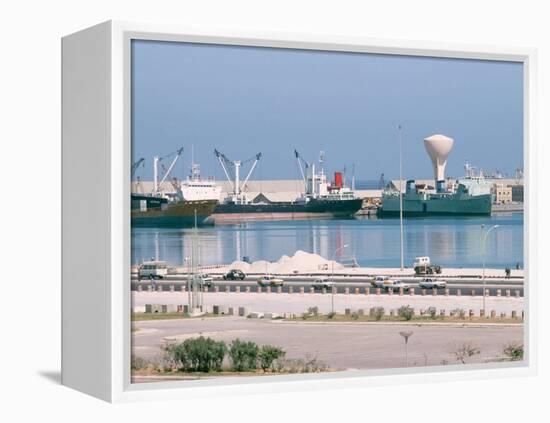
column 340, row 345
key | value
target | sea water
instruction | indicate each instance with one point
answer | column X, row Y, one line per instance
column 448, row 241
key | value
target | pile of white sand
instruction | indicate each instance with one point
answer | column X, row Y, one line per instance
column 300, row 262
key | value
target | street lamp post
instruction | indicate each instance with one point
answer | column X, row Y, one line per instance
column 332, row 277
column 406, row 335
column 483, row 248
column 401, row 195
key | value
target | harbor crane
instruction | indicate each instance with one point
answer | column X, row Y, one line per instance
column 156, row 160
column 232, row 168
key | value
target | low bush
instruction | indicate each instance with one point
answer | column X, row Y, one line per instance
column 432, row 312
column 355, row 315
column 267, row 356
column 465, row 351
column 243, row 355
column 377, row 313
column 138, row 363
column 513, row 352
column 458, row 312
column 198, row 354
column 405, row 312
column 331, row 315
column 313, row 310
column 309, row 364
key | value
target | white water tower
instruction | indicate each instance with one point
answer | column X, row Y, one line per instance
column 438, row 147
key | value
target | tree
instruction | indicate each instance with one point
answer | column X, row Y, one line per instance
column 267, row 356
column 244, row 355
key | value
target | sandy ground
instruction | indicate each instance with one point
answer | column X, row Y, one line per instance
column 299, row 303
column 340, row 345
column 306, row 263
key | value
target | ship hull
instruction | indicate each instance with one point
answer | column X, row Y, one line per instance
column 175, row 215
column 479, row 205
column 288, row 211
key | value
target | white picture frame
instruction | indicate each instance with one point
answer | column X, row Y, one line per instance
column 96, row 226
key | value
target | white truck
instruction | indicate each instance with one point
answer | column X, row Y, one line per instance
column 423, row 266
column 153, row 270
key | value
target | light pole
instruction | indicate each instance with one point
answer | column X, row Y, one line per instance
column 332, row 277
column 483, row 247
column 406, row 335
column 401, row 194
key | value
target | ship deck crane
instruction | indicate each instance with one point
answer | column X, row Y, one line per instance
column 231, row 168
column 135, row 166
column 305, row 166
column 156, row 161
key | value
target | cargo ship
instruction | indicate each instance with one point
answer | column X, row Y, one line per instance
column 151, row 211
column 468, row 196
column 189, row 203
column 320, row 198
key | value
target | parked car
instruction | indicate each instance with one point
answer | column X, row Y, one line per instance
column 379, row 281
column 270, row 280
column 153, row 270
column 322, row 283
column 430, row 283
column 234, row 274
column 394, row 285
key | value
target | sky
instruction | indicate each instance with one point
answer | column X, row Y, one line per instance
column 245, row 100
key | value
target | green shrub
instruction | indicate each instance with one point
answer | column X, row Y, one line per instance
column 198, row 354
column 267, row 356
column 432, row 312
column 405, row 312
column 243, row 355
column 377, row 313
column 514, row 352
column 355, row 315
column 331, row 315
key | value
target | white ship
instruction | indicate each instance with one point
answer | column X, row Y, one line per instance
column 196, row 188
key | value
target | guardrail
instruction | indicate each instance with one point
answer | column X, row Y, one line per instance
column 367, row 290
